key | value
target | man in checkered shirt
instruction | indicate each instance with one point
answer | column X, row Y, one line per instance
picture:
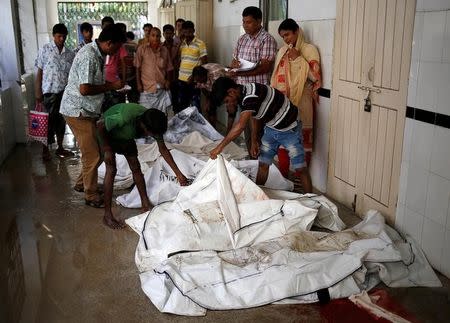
column 256, row 46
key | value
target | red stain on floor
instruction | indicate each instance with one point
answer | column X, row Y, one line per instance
column 343, row 310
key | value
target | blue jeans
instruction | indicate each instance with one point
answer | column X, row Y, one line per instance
column 291, row 140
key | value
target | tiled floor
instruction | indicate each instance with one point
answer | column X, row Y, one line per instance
column 61, row 264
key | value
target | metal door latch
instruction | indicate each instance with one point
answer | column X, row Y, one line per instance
column 368, row 104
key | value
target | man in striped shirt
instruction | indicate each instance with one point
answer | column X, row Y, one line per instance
column 270, row 111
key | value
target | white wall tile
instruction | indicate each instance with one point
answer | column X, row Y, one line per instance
column 448, row 219
column 412, row 83
column 327, row 71
column 413, row 224
column 322, row 115
column 319, row 173
column 323, row 36
column 438, row 199
column 427, row 5
column 307, row 27
column 403, row 183
column 433, row 36
column 399, row 217
column 407, row 139
column 422, row 138
column 416, row 192
column 440, row 155
column 427, row 86
column 443, row 90
column 433, row 236
column 309, row 10
column 446, row 52
column 445, row 257
column 230, row 14
column 417, row 36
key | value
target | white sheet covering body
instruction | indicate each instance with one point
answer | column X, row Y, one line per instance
column 223, row 244
column 188, row 132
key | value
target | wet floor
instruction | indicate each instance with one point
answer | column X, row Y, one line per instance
column 59, row 263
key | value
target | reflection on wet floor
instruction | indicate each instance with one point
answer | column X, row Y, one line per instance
column 61, row 264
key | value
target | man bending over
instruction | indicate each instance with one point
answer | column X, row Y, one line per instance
column 270, row 111
column 121, row 125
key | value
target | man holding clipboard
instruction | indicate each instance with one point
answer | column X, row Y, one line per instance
column 255, row 47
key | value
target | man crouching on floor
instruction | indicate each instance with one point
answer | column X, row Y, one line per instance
column 271, row 112
column 120, row 126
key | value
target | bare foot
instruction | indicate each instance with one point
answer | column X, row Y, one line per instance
column 112, row 222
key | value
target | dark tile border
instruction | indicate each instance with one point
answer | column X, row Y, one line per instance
column 324, row 92
column 430, row 117
column 438, row 119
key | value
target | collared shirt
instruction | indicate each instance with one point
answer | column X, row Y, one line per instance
column 80, row 45
column 153, row 65
column 269, row 105
column 173, row 49
column 112, row 65
column 55, row 67
column 253, row 49
column 214, row 72
column 190, row 57
column 87, row 68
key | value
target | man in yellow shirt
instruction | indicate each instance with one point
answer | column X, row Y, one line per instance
column 192, row 53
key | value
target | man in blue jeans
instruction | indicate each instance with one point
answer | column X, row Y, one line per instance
column 271, row 112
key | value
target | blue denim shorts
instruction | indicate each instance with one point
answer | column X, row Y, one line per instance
column 291, row 140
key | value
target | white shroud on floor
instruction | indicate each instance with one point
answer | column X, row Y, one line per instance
column 224, row 244
column 189, row 132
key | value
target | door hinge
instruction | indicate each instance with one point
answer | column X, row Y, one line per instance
column 354, row 203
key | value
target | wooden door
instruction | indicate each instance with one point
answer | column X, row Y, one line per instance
column 373, row 40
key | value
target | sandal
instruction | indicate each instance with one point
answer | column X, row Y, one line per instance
column 64, row 153
column 79, row 188
column 95, row 203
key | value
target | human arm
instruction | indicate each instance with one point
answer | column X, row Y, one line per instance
column 123, row 70
column 204, row 59
column 235, row 131
column 122, row 64
column 137, row 65
column 231, row 116
column 257, row 127
column 138, row 80
column 93, row 89
column 165, row 153
column 38, row 86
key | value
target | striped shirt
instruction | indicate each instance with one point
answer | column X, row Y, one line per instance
column 190, row 56
column 269, row 105
column 253, row 49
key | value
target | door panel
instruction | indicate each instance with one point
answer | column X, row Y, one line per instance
column 390, row 32
column 372, row 51
column 351, row 37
